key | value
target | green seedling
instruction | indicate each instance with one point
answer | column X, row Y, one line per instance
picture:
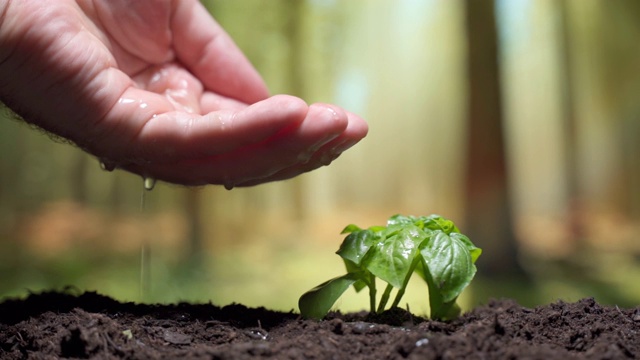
column 431, row 246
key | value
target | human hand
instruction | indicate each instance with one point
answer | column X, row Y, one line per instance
column 159, row 89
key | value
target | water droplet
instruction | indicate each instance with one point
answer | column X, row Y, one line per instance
column 149, row 183
column 422, row 342
column 228, row 184
column 107, row 165
column 326, row 159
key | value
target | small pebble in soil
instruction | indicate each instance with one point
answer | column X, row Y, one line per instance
column 176, row 338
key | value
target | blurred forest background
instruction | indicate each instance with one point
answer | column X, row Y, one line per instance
column 517, row 119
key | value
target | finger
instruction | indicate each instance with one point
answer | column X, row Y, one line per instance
column 210, row 53
column 356, row 130
column 138, row 30
column 139, row 27
column 176, row 136
column 322, row 124
column 210, row 102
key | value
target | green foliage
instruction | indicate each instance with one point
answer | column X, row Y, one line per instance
column 431, row 246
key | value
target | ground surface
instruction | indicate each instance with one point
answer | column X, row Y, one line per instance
column 57, row 325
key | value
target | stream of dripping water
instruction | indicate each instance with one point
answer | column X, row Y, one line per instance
column 145, row 249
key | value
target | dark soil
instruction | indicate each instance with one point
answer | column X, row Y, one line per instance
column 60, row 325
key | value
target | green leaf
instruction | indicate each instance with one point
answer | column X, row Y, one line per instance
column 316, row 303
column 391, row 259
column 357, row 244
column 377, row 228
column 361, row 273
column 440, row 310
column 350, row 228
column 437, row 222
column 449, row 263
column 400, row 220
column 475, row 251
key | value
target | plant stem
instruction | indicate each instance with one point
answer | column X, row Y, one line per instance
column 401, row 291
column 385, row 298
column 399, row 295
column 372, row 293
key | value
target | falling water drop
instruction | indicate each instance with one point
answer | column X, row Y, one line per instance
column 107, row 165
column 149, row 183
column 228, row 186
column 145, row 248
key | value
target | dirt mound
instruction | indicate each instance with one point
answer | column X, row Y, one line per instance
column 90, row 325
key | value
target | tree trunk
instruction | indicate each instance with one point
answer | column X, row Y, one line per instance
column 488, row 217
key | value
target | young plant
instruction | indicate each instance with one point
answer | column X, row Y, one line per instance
column 431, row 246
